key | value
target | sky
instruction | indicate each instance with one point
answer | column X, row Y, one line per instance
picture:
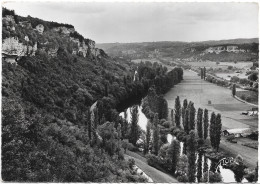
column 109, row 22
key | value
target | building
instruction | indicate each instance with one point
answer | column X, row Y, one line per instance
column 237, row 132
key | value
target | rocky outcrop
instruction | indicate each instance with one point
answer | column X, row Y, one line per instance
column 12, row 48
column 40, row 28
column 15, row 48
column 64, row 30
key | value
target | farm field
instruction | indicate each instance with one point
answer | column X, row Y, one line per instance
column 224, row 65
column 201, row 92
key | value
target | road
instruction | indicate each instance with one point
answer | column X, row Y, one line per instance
column 156, row 175
column 201, row 93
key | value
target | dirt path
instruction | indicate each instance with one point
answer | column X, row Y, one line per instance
column 156, row 175
column 201, row 92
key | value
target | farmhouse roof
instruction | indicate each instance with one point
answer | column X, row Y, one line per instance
column 239, row 130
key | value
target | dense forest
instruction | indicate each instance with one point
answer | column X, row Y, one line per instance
column 60, row 115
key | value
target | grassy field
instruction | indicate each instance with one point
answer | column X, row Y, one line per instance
column 224, row 65
column 201, row 92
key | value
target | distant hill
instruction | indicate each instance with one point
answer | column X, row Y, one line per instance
column 215, row 50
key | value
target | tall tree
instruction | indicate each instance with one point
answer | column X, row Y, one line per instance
column 174, row 154
column 155, row 134
column 147, row 137
column 162, row 108
column 199, row 123
column 89, row 122
column 212, row 129
column 177, row 111
column 172, row 118
column 206, row 123
column 134, row 131
column 191, row 153
column 234, row 89
column 201, row 73
column 218, row 130
column 185, row 104
column 192, row 114
column 186, row 121
column 204, row 73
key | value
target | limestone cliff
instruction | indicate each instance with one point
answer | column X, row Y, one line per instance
column 24, row 36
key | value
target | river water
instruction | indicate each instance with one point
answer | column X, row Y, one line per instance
column 203, row 164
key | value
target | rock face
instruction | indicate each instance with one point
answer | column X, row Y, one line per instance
column 40, row 28
column 14, row 47
column 64, row 30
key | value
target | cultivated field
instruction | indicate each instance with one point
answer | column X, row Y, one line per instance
column 201, row 92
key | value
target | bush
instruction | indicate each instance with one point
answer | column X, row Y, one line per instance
column 213, row 177
column 243, row 97
column 166, row 124
column 183, row 178
column 131, row 163
column 250, row 175
column 153, row 160
column 230, row 67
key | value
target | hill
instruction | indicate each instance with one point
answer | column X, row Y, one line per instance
column 222, row 50
column 60, row 101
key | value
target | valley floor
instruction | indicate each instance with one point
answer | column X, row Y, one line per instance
column 201, row 93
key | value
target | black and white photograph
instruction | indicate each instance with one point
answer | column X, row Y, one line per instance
column 129, row 92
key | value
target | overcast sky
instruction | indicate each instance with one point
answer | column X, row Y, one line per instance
column 141, row 22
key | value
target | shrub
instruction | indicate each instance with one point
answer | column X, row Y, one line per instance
column 243, row 97
column 230, row 67
column 166, row 124
column 213, row 177
column 131, row 163
column 183, row 178
column 250, row 175
column 153, row 160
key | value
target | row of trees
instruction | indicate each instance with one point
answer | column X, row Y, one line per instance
column 203, row 73
column 188, row 112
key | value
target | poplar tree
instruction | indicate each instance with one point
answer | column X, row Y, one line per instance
column 172, row 118
column 206, row 123
column 204, row 73
column 212, row 130
column 192, row 113
column 218, row 130
column 174, row 154
column 186, row 121
column 185, row 104
column 191, row 153
column 134, row 132
column 155, row 134
column 234, row 89
column 199, row 123
column 147, row 137
column 177, row 111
